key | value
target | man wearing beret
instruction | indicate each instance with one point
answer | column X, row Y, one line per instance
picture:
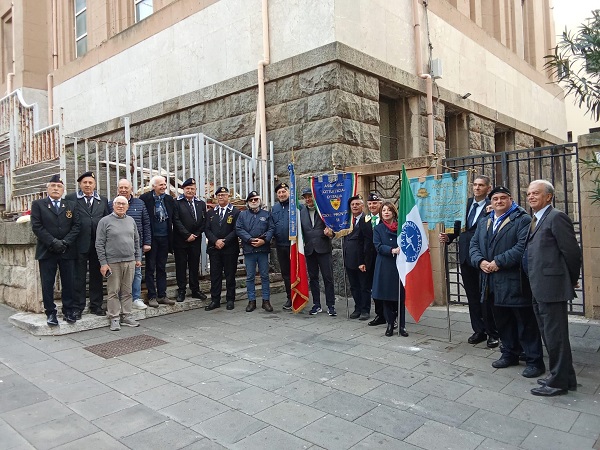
column 91, row 207
column 255, row 229
column 281, row 219
column 223, row 249
column 497, row 249
column 188, row 225
column 54, row 222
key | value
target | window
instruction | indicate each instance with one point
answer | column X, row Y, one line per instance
column 80, row 28
column 143, row 8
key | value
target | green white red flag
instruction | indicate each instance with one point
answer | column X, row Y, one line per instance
column 298, row 272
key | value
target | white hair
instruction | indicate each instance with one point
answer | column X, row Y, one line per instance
column 126, row 180
column 157, row 178
column 121, row 199
column 547, row 185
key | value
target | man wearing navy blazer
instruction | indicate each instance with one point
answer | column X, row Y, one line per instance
column 55, row 224
column 552, row 261
column 482, row 319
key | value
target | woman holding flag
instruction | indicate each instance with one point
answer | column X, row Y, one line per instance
column 386, row 280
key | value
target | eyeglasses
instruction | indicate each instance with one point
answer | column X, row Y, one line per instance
column 120, row 204
column 255, row 199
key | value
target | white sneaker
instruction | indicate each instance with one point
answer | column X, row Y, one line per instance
column 115, row 325
column 129, row 321
column 139, row 304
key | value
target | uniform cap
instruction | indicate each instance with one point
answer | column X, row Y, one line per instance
column 306, row 191
column 252, row 194
column 222, row 190
column 85, row 175
column 373, row 197
column 282, row 186
column 56, row 179
column 189, row 182
column 499, row 190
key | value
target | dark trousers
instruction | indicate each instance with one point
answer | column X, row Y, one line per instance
column 360, row 289
column 554, row 327
column 390, row 312
column 283, row 257
column 187, row 259
column 48, row 267
column 482, row 317
column 85, row 261
column 378, row 303
column 518, row 330
column 220, row 263
column 314, row 263
column 156, row 261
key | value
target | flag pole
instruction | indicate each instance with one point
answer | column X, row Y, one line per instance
column 443, row 230
column 345, row 286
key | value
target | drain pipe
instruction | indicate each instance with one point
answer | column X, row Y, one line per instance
column 11, row 76
column 260, row 134
column 425, row 76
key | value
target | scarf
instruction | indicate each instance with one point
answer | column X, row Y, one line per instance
column 391, row 226
column 160, row 212
column 499, row 220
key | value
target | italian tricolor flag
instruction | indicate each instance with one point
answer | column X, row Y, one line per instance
column 413, row 261
column 298, row 272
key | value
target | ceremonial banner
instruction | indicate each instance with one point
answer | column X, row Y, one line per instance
column 298, row 273
column 413, row 261
column 331, row 196
column 442, row 200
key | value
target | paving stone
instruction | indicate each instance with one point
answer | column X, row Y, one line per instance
column 271, row 379
column 16, row 392
column 353, row 383
column 584, row 344
column 11, row 439
column 129, row 421
column 481, row 379
column 194, row 410
column 498, row 427
column 58, row 432
column 450, row 390
column 257, row 354
column 36, row 414
column 90, row 363
column 391, row 422
column 360, row 366
column 434, row 355
column 491, row 444
column 229, row 427
column 399, row 376
column 549, row 439
column 305, row 391
column 432, row 434
column 219, row 387
column 284, row 362
column 5, row 370
column 190, row 375
column 212, row 359
column 252, row 400
column 240, row 369
column 162, row 396
column 580, row 402
column 328, row 357
column 171, row 435
column 439, row 369
column 317, row 372
column 382, row 442
column 290, row 416
column 344, row 405
column 55, row 379
column 441, row 410
column 271, row 437
column 395, row 396
column 550, row 416
column 137, row 383
column 165, row 365
column 587, row 425
column 96, row 441
column 489, row 400
column 334, row 433
column 521, row 388
column 114, row 372
column 297, row 349
column 102, row 405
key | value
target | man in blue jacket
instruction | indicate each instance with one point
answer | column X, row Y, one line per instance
column 281, row 220
column 255, row 228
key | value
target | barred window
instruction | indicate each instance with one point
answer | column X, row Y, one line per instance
column 143, row 8
column 80, row 28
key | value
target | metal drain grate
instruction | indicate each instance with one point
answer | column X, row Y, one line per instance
column 124, row 346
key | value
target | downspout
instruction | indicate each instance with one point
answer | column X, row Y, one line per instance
column 11, row 75
column 425, row 76
column 54, row 64
column 260, row 134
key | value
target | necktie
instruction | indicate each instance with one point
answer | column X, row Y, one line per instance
column 89, row 201
column 374, row 220
column 221, row 214
column 353, row 222
column 193, row 209
column 533, row 222
column 472, row 214
column 56, row 205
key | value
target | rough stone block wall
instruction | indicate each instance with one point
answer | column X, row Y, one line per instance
column 481, row 135
column 439, row 128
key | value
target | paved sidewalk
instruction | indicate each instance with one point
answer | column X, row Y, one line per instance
column 231, row 379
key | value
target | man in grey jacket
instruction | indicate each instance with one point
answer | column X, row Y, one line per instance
column 119, row 253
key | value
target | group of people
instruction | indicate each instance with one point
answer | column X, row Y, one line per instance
column 519, row 273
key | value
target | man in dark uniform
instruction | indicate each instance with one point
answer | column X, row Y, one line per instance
column 482, row 319
column 54, row 222
column 188, row 224
column 161, row 209
column 91, row 207
column 223, row 248
column 369, row 254
column 281, row 219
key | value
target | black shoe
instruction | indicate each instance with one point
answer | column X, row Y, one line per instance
column 364, row 316
column 546, row 391
column 522, row 357
column 533, row 371
column 230, row 305
column 503, row 363
column 477, row 338
column 70, row 318
column 200, row 295
column 251, row 306
column 52, row 320
column 98, row 312
column 287, row 305
column 266, row 305
column 543, row 381
column 77, row 315
column 213, row 305
column 389, row 330
column 403, row 332
column 378, row 320
column 493, row 342
column 355, row 315
column 180, row 296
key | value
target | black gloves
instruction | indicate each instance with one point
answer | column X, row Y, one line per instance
column 58, row 246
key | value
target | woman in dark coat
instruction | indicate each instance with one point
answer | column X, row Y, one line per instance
column 386, row 281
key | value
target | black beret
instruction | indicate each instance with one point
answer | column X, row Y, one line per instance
column 222, row 190
column 356, row 197
column 85, row 175
column 189, row 182
column 252, row 194
column 501, row 190
column 282, row 186
column 373, row 197
column 306, row 191
column 56, row 179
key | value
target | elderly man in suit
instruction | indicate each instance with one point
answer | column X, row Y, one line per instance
column 54, row 222
column 552, row 261
column 188, row 224
column 91, row 207
column 482, row 319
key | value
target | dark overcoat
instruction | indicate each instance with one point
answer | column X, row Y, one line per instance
column 386, row 281
column 89, row 218
column 354, row 247
column 222, row 229
column 47, row 225
column 314, row 236
column 185, row 223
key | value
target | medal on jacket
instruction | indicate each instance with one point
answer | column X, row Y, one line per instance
column 68, row 214
column 230, row 220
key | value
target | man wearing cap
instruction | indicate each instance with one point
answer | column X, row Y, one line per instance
column 91, row 207
column 281, row 219
column 54, row 222
column 255, row 229
column 138, row 212
column 317, row 250
column 161, row 209
column 497, row 249
column 188, row 224
column 223, row 249
column 369, row 254
column 482, row 318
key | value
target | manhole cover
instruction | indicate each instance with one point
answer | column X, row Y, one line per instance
column 124, row 346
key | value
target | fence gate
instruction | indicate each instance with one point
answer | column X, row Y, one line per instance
column 515, row 170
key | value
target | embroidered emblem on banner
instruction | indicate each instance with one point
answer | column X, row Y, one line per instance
column 335, row 203
column 411, row 241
